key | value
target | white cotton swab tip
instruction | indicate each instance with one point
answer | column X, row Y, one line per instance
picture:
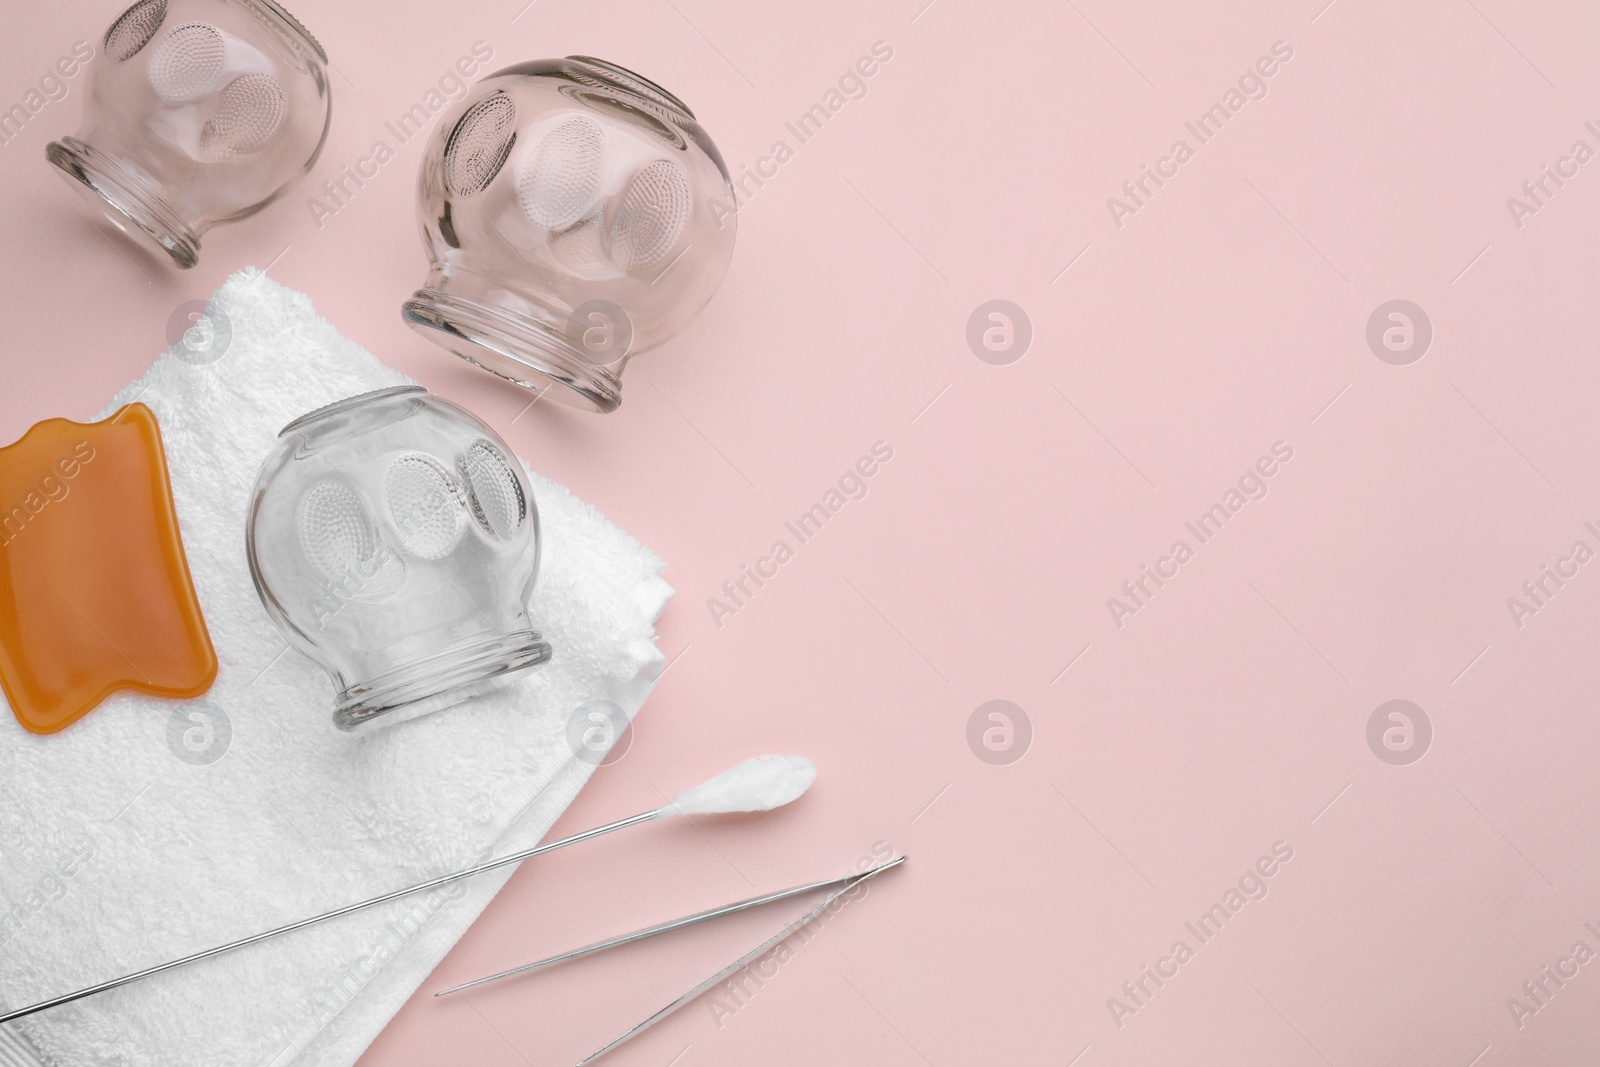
column 758, row 784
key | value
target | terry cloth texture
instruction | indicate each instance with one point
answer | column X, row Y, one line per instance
column 152, row 828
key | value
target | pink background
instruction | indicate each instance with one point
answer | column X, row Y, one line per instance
column 1168, row 354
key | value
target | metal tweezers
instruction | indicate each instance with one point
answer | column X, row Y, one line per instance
column 840, row 886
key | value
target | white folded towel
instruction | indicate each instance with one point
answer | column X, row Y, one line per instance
column 121, row 847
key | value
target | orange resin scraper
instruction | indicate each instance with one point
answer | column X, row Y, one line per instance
column 95, row 593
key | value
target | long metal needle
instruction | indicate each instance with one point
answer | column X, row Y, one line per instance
column 515, row 857
column 670, row 926
column 754, row 954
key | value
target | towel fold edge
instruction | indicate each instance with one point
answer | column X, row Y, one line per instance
column 351, row 1031
column 18, row 1051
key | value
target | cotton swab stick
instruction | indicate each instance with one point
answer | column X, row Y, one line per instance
column 749, row 957
column 758, row 784
column 669, row 927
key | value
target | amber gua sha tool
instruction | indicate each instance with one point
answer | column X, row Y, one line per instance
column 95, row 593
